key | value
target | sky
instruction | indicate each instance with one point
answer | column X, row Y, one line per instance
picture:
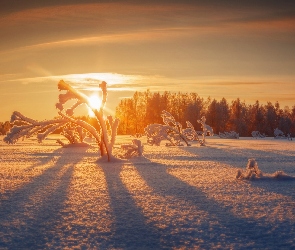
column 231, row 49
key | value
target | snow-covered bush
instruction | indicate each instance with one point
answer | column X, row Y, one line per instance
column 74, row 134
column 31, row 127
column 251, row 170
column 174, row 133
column 229, row 135
column 131, row 150
column 254, row 173
column 73, row 129
column 157, row 132
column 171, row 131
column 190, row 132
column 257, row 134
column 206, row 129
column 278, row 134
column 106, row 138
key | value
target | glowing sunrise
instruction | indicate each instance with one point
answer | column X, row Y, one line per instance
column 232, row 50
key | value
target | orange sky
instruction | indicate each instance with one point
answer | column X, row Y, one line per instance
column 216, row 49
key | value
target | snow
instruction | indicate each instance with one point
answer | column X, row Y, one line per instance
column 170, row 198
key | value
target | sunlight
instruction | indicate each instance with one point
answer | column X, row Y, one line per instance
column 94, row 101
column 91, row 81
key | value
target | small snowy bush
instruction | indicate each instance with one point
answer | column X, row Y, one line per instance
column 251, row 170
column 171, row 131
column 131, row 150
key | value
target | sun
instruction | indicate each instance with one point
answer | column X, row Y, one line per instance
column 94, row 101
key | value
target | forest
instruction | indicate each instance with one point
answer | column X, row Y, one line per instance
column 145, row 108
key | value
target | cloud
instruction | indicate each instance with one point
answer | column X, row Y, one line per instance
column 116, row 81
column 119, row 17
column 106, row 23
column 21, row 93
column 102, row 39
column 239, row 83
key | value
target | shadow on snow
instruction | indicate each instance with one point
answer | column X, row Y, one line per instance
column 131, row 230
column 30, row 215
column 283, row 185
column 237, row 230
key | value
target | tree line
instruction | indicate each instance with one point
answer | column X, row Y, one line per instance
column 145, row 108
column 4, row 127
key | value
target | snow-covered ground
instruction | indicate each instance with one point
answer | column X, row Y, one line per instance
column 172, row 198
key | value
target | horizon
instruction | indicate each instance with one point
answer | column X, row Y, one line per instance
column 231, row 50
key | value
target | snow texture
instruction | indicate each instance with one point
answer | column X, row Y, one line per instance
column 169, row 198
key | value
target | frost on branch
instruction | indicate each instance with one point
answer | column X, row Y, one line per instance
column 108, row 127
column 206, row 129
column 190, row 132
column 78, row 129
column 31, row 127
column 156, row 133
column 171, row 131
column 73, row 129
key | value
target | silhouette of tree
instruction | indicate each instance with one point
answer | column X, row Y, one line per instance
column 145, row 108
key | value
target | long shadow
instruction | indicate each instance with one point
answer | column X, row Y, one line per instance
column 283, row 186
column 45, row 158
column 278, row 185
column 236, row 155
column 210, row 153
column 226, row 156
column 240, row 157
column 30, row 215
column 56, row 157
column 237, row 230
column 131, row 230
column 27, row 186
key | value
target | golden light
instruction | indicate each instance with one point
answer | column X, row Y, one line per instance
column 94, row 102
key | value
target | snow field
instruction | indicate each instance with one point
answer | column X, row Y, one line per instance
column 172, row 198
